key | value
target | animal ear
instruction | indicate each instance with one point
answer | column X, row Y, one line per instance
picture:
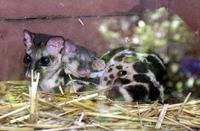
column 55, row 44
column 69, row 46
column 27, row 39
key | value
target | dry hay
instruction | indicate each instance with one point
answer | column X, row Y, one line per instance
column 89, row 111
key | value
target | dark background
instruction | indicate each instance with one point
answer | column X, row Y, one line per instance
column 60, row 17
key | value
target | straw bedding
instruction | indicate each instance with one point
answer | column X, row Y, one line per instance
column 20, row 110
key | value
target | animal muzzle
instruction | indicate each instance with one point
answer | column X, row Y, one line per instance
column 85, row 72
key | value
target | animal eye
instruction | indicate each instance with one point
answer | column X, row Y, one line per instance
column 44, row 61
column 27, row 59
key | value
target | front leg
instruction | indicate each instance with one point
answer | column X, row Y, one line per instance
column 47, row 84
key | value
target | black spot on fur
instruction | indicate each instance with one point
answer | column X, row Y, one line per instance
column 27, row 59
column 154, row 93
column 119, row 58
column 122, row 81
column 137, row 92
column 111, row 53
column 105, row 78
column 141, row 78
column 111, row 76
column 154, row 58
column 114, row 93
column 110, row 69
column 157, row 68
column 140, row 67
column 121, row 73
column 119, row 67
column 109, row 82
column 56, row 81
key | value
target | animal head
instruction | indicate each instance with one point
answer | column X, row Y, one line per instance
column 77, row 59
column 42, row 52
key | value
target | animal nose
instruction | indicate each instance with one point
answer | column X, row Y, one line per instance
column 85, row 72
column 37, row 66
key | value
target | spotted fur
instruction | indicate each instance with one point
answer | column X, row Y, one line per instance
column 56, row 58
column 129, row 75
column 133, row 76
column 43, row 55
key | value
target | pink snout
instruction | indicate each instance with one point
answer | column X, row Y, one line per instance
column 85, row 72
